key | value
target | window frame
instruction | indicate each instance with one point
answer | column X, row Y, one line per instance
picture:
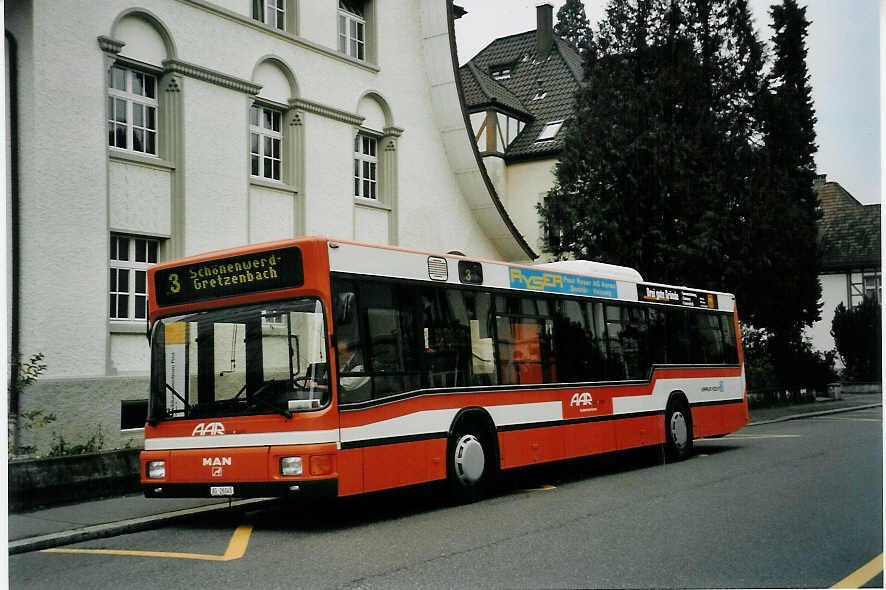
column 130, row 100
column 260, row 134
column 366, row 162
column 132, row 267
column 351, row 40
column 263, row 9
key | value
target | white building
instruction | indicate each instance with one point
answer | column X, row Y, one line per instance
column 142, row 132
column 851, row 261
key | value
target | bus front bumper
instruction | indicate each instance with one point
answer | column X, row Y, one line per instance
column 327, row 488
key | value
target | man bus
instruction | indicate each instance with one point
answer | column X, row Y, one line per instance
column 320, row 366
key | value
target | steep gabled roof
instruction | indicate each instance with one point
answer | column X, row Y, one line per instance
column 849, row 230
column 558, row 76
column 481, row 90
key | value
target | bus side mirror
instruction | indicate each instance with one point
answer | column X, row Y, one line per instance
column 344, row 308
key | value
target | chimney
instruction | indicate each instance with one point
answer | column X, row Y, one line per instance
column 544, row 31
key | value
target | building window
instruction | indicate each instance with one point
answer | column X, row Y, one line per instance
column 133, row 414
column 129, row 261
column 265, row 140
column 366, row 166
column 132, row 110
column 872, row 287
column 501, row 73
column 352, row 28
column 270, row 12
column 549, row 131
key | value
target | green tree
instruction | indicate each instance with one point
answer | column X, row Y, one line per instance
column 789, row 256
column 573, row 26
column 656, row 159
column 857, row 333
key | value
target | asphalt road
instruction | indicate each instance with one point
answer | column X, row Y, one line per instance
column 791, row 504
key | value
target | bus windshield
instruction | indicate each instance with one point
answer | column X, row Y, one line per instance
column 256, row 359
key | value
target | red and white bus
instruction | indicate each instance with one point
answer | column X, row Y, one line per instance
column 320, row 366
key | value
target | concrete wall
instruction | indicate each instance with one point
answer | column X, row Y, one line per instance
column 75, row 190
column 527, row 185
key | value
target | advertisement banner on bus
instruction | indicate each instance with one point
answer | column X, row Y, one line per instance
column 555, row 282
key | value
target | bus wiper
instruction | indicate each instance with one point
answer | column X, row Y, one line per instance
column 263, row 402
column 178, row 395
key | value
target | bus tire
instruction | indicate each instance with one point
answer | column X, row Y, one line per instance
column 470, row 464
column 678, row 430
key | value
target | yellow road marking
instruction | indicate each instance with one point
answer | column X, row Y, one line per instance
column 236, row 549
column 544, row 488
column 862, row 575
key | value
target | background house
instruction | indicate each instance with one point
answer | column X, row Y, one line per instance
column 520, row 93
column 851, row 264
column 143, row 132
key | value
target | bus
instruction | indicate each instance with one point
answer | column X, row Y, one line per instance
column 316, row 366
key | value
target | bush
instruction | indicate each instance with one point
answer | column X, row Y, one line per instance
column 793, row 365
column 857, row 336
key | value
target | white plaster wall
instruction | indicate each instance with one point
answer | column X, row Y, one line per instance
column 216, row 167
column 139, row 199
column 271, row 214
column 312, row 16
column 328, row 188
column 142, row 40
column 527, row 183
column 371, row 225
column 129, row 354
column 63, row 204
column 833, row 292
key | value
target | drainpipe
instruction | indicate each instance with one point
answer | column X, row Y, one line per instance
column 14, row 237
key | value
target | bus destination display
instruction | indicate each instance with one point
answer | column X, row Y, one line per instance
column 657, row 294
column 229, row 277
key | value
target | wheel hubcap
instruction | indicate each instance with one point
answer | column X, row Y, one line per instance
column 469, row 459
column 679, row 431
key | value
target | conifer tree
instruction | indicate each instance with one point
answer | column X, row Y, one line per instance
column 788, row 235
column 572, row 25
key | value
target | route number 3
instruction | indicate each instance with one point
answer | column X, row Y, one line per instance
column 174, row 285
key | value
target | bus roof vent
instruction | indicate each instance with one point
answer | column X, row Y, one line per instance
column 594, row 269
column 438, row 270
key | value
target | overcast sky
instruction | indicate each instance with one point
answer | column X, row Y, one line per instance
column 843, row 61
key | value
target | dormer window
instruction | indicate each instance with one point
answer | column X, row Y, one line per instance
column 500, row 73
column 540, row 92
column 549, row 131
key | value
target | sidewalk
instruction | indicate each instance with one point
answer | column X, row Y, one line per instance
column 63, row 525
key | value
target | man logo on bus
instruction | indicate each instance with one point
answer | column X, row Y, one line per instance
column 581, row 399
column 208, row 429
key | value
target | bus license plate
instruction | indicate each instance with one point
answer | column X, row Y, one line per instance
column 221, row 490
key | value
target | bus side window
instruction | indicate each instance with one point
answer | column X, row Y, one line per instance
column 658, row 352
column 354, row 385
column 391, row 320
column 730, row 348
column 677, row 336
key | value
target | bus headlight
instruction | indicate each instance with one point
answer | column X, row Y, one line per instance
column 290, row 466
column 156, row 469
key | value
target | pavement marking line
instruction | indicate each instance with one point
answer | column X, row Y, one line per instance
column 849, row 419
column 236, row 549
column 755, row 436
column 544, row 488
column 862, row 575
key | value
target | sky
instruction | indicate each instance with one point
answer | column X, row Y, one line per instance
column 843, row 62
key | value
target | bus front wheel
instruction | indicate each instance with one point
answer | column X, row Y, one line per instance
column 470, row 465
column 678, row 431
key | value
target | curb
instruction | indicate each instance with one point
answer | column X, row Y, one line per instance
column 112, row 529
column 814, row 414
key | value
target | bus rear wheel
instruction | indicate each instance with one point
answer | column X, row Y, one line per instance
column 470, row 465
column 678, row 431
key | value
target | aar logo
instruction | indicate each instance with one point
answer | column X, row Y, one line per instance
column 209, row 429
column 581, row 400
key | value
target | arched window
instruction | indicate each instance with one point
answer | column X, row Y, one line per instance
column 375, row 176
column 274, row 127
